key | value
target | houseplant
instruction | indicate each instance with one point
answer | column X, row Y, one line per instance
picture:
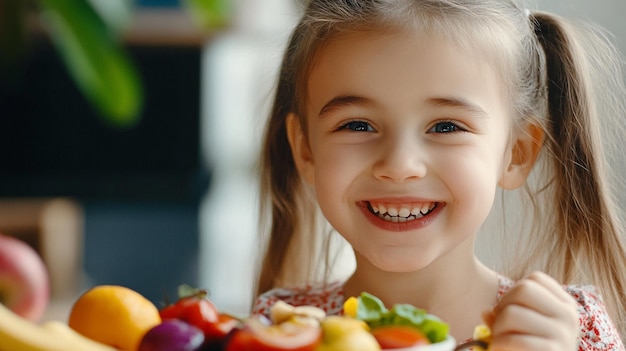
column 87, row 35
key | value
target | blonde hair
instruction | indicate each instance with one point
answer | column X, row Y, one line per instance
column 575, row 231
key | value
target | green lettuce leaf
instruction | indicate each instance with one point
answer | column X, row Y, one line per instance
column 373, row 311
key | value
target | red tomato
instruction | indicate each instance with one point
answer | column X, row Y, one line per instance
column 197, row 311
column 399, row 336
column 256, row 336
column 219, row 329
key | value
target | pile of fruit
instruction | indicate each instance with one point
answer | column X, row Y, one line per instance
column 112, row 318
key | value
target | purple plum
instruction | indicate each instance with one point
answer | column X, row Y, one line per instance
column 172, row 335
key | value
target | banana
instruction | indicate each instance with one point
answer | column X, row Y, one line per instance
column 17, row 333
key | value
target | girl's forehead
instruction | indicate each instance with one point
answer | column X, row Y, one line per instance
column 393, row 66
column 495, row 51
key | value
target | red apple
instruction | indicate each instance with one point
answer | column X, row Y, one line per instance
column 24, row 280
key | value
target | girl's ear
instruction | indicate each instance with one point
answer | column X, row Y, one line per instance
column 523, row 154
column 300, row 150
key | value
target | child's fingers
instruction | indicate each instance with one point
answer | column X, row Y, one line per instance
column 488, row 318
column 542, row 294
column 552, row 285
column 519, row 320
column 536, row 313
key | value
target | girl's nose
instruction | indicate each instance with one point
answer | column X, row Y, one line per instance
column 401, row 160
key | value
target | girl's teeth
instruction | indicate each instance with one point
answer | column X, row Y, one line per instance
column 404, row 212
column 375, row 208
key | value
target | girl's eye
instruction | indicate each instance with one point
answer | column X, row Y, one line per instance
column 357, row 126
column 445, row 127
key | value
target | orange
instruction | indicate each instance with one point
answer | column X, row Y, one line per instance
column 114, row 315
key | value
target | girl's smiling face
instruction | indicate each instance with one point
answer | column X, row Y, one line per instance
column 406, row 140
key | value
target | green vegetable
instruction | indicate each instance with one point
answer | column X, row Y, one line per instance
column 372, row 311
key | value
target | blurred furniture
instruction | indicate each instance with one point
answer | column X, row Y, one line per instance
column 54, row 227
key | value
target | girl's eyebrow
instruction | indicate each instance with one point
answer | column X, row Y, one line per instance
column 343, row 101
column 455, row 102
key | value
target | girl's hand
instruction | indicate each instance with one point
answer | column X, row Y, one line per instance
column 536, row 314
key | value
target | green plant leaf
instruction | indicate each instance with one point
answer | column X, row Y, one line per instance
column 95, row 59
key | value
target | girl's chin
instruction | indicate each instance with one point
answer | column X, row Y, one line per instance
column 400, row 266
column 400, row 260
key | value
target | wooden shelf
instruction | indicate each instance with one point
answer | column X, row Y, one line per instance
column 165, row 27
column 54, row 227
column 147, row 27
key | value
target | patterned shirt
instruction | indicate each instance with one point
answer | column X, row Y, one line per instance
column 597, row 330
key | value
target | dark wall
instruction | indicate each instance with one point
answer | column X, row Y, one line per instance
column 139, row 188
column 150, row 247
column 53, row 143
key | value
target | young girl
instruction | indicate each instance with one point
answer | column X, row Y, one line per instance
column 399, row 119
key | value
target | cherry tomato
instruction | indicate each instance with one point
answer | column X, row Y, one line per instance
column 258, row 336
column 223, row 326
column 399, row 336
column 195, row 310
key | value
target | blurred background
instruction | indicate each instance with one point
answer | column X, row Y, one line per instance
column 164, row 194
column 148, row 197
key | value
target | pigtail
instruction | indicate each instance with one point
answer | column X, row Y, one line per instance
column 279, row 183
column 590, row 244
column 288, row 214
column 282, row 187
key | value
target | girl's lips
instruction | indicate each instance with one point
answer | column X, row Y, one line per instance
column 398, row 217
